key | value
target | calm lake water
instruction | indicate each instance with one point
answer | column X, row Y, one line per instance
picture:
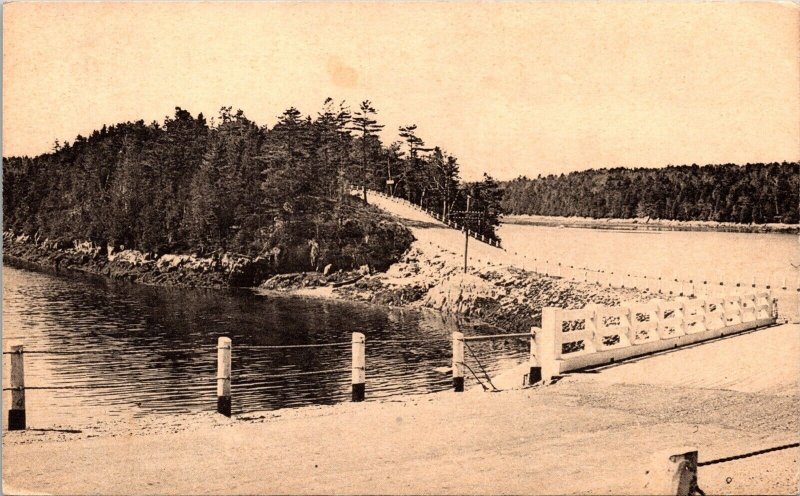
column 731, row 258
column 721, row 256
column 146, row 350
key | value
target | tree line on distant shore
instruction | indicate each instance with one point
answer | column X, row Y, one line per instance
column 187, row 185
column 753, row 193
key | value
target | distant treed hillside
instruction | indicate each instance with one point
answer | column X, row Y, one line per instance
column 753, row 193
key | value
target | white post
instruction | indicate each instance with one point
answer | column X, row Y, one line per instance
column 545, row 354
column 458, row 362
column 673, row 472
column 535, row 372
column 359, row 378
column 16, row 414
column 224, row 376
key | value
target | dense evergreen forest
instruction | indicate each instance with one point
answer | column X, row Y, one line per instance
column 190, row 185
column 753, row 193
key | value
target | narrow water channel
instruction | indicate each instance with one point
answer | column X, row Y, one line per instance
column 124, row 349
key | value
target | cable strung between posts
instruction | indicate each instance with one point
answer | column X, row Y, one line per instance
column 106, row 386
column 298, row 374
column 105, row 352
column 475, row 376
column 748, row 455
column 494, row 388
column 81, row 386
column 289, row 346
column 419, row 340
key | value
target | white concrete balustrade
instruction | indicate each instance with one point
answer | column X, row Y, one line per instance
column 576, row 339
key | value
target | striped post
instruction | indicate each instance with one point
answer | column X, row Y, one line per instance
column 535, row 371
column 546, row 365
column 16, row 414
column 224, row 376
column 458, row 362
column 359, row 377
column 673, row 472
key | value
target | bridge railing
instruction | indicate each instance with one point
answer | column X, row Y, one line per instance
column 592, row 336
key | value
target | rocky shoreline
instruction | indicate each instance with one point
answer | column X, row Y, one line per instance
column 505, row 297
column 188, row 271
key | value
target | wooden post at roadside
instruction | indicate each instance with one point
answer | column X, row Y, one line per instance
column 224, row 376
column 544, row 365
column 458, row 362
column 16, row 414
column 359, row 378
column 673, row 472
column 535, row 372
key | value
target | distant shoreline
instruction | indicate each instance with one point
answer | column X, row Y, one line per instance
column 649, row 224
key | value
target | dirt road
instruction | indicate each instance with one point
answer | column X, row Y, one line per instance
column 588, row 434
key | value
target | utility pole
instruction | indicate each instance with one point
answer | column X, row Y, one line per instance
column 390, row 181
column 466, row 237
column 467, row 218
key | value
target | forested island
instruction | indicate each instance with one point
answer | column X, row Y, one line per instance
column 280, row 195
column 753, row 193
column 279, row 199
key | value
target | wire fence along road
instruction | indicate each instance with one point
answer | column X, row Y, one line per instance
column 437, row 217
column 497, row 256
column 385, row 381
column 748, row 455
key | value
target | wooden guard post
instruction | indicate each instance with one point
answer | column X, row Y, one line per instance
column 359, row 367
column 16, row 414
column 673, row 472
column 535, row 372
column 224, row 376
column 543, row 363
column 458, row 362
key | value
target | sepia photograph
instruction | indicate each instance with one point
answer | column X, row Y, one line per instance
column 401, row 247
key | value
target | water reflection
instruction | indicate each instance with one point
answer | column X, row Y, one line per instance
column 145, row 350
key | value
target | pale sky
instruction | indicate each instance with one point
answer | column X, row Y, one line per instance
column 508, row 88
